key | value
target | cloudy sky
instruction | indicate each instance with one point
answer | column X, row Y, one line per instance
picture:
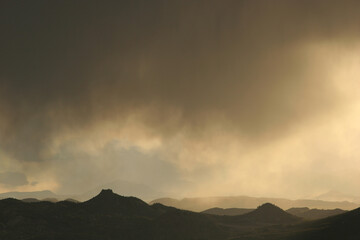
column 194, row 98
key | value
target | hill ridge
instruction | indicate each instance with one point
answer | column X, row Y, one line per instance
column 270, row 213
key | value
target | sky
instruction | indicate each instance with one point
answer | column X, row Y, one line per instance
column 193, row 98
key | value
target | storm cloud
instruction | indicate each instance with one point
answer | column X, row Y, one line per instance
column 183, row 72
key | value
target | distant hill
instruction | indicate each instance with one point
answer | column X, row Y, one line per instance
column 24, row 195
column 305, row 213
column 227, row 211
column 313, row 214
column 266, row 215
column 204, row 203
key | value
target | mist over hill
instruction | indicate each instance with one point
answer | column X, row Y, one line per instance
column 227, row 211
column 313, row 214
column 35, row 194
column 338, row 196
column 125, row 188
column 204, row 203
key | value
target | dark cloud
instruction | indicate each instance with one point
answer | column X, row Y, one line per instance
column 77, row 64
column 13, row 179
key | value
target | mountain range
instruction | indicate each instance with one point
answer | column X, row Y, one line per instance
column 111, row 216
column 232, row 204
column 304, row 212
column 105, row 216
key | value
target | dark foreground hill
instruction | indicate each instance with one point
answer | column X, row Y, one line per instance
column 343, row 226
column 109, row 216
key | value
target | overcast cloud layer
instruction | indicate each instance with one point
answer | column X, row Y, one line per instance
column 191, row 97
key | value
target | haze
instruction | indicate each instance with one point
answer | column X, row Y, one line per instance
column 193, row 98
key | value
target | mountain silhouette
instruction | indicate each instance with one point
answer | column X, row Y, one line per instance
column 122, row 187
column 107, row 201
column 111, row 216
column 266, row 215
column 105, row 216
column 269, row 213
